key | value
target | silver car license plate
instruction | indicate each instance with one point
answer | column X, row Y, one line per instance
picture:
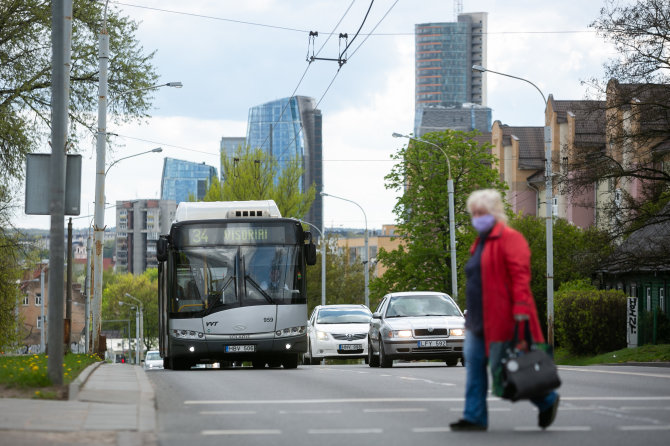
column 351, row 347
column 240, row 348
column 433, row 343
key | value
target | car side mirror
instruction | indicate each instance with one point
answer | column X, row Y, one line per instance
column 376, row 315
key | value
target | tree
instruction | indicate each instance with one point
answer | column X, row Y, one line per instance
column 634, row 115
column 25, row 76
column 345, row 281
column 420, row 175
column 252, row 174
column 10, row 274
column 143, row 287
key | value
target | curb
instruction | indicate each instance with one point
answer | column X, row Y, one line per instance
column 78, row 383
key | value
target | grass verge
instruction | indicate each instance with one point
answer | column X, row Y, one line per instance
column 646, row 353
column 26, row 376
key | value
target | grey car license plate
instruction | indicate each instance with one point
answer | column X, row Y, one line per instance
column 240, row 348
column 433, row 343
column 351, row 347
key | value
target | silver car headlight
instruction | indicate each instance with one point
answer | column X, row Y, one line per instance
column 400, row 334
column 456, row 332
column 321, row 335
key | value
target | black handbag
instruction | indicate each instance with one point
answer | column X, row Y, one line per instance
column 528, row 374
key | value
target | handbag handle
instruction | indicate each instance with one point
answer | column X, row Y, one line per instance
column 527, row 336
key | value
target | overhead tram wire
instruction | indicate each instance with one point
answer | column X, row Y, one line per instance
column 344, row 51
column 309, row 63
column 286, row 28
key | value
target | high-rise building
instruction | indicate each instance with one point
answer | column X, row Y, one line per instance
column 138, row 225
column 287, row 128
column 444, row 79
column 182, row 179
column 229, row 145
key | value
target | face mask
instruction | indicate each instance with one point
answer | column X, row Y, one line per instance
column 484, row 223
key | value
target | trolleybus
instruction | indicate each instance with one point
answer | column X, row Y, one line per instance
column 232, row 285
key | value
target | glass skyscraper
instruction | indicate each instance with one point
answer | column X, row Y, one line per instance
column 183, row 178
column 287, row 128
column 229, row 145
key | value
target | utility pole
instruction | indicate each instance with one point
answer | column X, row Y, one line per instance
column 61, row 11
column 68, row 288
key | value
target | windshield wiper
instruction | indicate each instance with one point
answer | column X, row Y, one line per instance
column 265, row 295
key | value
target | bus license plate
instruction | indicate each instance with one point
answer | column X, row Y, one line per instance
column 240, row 348
column 351, row 346
column 433, row 343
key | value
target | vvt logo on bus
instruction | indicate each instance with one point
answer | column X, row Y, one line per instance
column 209, row 324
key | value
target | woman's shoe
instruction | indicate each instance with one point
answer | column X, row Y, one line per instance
column 546, row 417
column 465, row 425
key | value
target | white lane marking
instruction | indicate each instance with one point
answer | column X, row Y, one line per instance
column 227, row 412
column 428, row 381
column 554, row 429
column 423, row 430
column 242, row 432
column 645, row 428
column 400, row 409
column 310, row 412
column 611, row 372
column 490, row 409
column 416, row 400
column 344, row 431
column 642, row 408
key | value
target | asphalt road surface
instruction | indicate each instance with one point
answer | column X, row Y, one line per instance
column 411, row 403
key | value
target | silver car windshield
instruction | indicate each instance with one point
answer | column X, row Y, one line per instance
column 421, row 305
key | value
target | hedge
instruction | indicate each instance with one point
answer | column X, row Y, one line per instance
column 590, row 322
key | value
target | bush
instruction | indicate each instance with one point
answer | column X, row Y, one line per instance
column 589, row 321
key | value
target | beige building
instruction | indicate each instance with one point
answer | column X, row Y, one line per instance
column 356, row 246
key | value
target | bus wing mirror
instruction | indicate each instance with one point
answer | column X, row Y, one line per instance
column 161, row 248
column 311, row 254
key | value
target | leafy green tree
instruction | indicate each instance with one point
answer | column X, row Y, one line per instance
column 577, row 253
column 345, row 282
column 249, row 174
column 422, row 210
column 25, row 75
column 143, row 287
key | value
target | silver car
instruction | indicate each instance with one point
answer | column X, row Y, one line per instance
column 416, row 325
column 337, row 332
column 153, row 360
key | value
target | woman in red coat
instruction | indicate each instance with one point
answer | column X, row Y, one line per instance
column 497, row 293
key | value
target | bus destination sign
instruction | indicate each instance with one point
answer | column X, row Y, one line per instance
column 236, row 235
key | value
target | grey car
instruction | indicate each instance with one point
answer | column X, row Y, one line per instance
column 416, row 325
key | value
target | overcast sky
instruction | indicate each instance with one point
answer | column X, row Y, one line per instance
column 232, row 55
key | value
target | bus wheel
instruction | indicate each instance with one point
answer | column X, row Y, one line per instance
column 178, row 364
column 290, row 362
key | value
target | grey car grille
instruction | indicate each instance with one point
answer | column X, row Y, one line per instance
column 434, row 332
column 349, row 336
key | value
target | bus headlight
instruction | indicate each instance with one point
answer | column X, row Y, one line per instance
column 187, row 334
column 290, row 331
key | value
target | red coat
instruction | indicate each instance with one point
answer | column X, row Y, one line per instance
column 505, row 267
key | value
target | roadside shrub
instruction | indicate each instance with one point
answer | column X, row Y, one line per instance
column 590, row 321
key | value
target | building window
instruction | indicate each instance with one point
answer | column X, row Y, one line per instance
column 39, row 321
column 648, row 298
column 38, row 299
column 661, row 299
column 26, row 300
column 633, row 291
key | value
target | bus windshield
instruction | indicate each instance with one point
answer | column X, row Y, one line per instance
column 210, row 279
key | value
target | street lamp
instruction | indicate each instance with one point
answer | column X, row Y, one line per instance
column 452, row 225
column 156, row 150
column 548, row 205
column 367, row 251
column 101, row 138
column 323, row 261
column 137, row 330
column 141, row 323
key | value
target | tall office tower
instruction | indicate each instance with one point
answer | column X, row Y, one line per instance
column 445, row 53
column 229, row 145
column 138, row 225
column 181, row 179
column 295, row 132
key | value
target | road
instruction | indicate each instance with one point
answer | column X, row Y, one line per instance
column 408, row 404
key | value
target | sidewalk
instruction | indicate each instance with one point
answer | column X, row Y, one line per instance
column 110, row 404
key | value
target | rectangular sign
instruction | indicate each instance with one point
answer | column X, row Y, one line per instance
column 632, row 321
column 38, row 186
column 235, row 235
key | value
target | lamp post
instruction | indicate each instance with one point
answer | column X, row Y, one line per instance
column 137, row 330
column 323, row 261
column 452, row 225
column 156, row 150
column 141, row 323
column 548, row 205
column 367, row 250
